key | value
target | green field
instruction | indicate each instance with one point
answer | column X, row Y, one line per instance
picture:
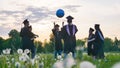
column 47, row 61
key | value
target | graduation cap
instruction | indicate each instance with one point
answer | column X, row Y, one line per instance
column 56, row 25
column 91, row 29
column 97, row 25
column 25, row 21
column 69, row 17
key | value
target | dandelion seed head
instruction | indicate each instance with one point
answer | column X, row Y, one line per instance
column 87, row 64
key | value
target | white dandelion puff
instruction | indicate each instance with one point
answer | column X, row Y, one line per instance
column 26, row 51
column 17, row 64
column 87, row 64
column 19, row 51
column 58, row 64
column 117, row 65
column 69, row 61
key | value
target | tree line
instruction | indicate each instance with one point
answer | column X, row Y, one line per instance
column 14, row 42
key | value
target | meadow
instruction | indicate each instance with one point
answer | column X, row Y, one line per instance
column 22, row 60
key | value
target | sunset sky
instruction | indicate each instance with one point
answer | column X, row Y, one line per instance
column 41, row 14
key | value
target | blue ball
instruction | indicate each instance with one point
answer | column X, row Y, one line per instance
column 60, row 13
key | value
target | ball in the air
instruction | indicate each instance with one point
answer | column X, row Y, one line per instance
column 60, row 13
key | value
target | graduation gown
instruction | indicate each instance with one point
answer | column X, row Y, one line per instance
column 90, row 45
column 99, row 43
column 26, row 38
column 68, row 34
column 58, row 40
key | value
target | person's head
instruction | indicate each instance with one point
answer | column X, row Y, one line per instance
column 57, row 27
column 69, row 19
column 26, row 23
column 91, row 30
column 30, row 28
column 97, row 26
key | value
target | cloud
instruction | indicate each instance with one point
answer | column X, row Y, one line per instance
column 72, row 8
column 38, row 14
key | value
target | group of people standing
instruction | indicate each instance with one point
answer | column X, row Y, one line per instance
column 68, row 34
column 96, row 42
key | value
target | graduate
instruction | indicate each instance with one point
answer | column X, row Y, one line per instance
column 24, row 33
column 58, row 40
column 91, row 49
column 68, row 34
column 99, row 41
column 32, row 46
column 27, row 35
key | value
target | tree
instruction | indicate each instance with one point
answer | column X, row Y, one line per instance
column 108, row 44
column 1, row 44
column 15, row 39
column 39, row 46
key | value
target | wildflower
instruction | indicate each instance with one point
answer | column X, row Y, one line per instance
column 117, row 65
column 59, row 57
column 13, row 60
column 19, row 51
column 6, row 51
column 86, row 64
column 78, row 48
column 69, row 61
column 22, row 58
column 26, row 51
column 41, row 65
column 17, row 65
column 58, row 64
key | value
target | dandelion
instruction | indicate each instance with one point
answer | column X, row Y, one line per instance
column 58, row 64
column 69, row 61
column 19, row 51
column 6, row 51
column 37, row 57
column 17, row 65
column 86, row 64
column 117, row 65
column 13, row 60
column 41, row 65
column 78, row 48
column 26, row 51
column 22, row 58
column 59, row 57
column 33, row 61
column 8, row 63
column 26, row 56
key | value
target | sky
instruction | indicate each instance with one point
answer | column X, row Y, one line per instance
column 42, row 13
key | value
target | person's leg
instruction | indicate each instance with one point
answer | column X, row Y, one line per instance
column 55, row 54
column 60, row 52
column 33, row 50
column 73, row 54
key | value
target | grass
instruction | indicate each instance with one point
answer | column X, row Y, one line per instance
column 9, row 61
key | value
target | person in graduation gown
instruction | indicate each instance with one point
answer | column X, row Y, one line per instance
column 68, row 34
column 58, row 40
column 32, row 46
column 25, row 35
column 90, row 43
column 99, row 41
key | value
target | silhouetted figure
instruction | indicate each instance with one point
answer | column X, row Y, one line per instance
column 99, row 42
column 26, row 35
column 68, row 34
column 32, row 37
column 90, row 42
column 58, row 40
